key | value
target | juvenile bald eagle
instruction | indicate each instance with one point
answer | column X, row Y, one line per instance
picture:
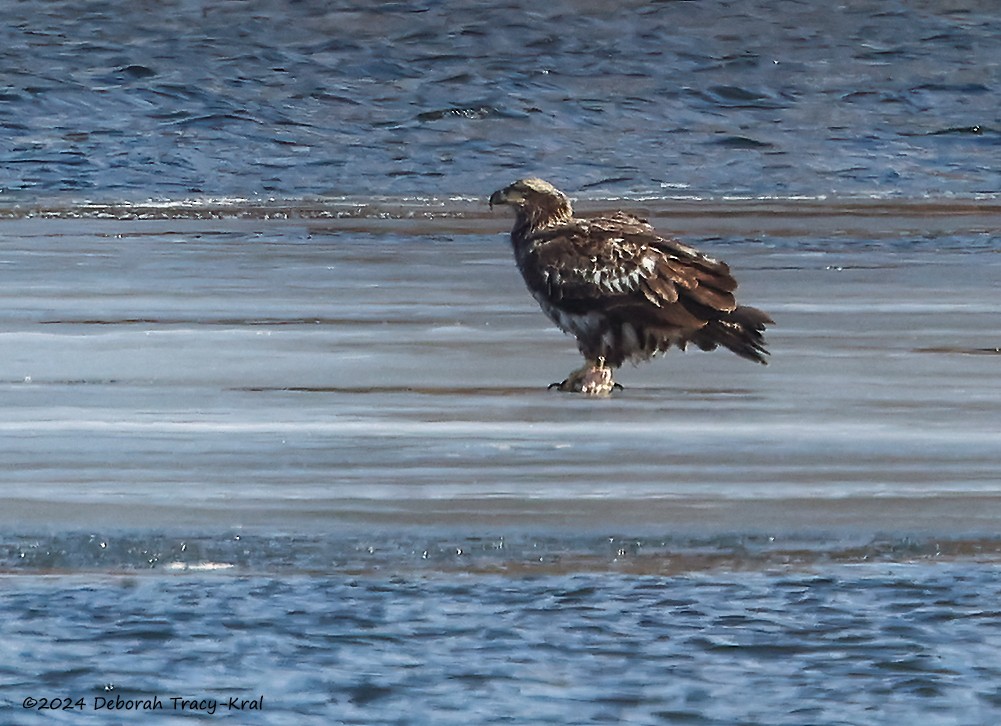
column 622, row 290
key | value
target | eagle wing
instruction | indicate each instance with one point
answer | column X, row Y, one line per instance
column 618, row 264
column 626, row 292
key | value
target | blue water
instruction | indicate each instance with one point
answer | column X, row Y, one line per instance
column 112, row 100
column 275, row 419
column 851, row 645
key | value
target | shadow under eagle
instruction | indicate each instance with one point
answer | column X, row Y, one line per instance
column 622, row 290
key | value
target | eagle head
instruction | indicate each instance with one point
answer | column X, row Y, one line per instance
column 535, row 201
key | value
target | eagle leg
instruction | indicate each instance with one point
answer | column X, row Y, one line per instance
column 594, row 378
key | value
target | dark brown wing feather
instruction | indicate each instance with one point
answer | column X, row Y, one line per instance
column 626, row 292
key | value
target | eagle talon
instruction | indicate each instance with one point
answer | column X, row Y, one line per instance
column 569, row 386
column 594, row 379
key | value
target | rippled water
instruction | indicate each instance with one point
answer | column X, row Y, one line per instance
column 113, row 100
column 275, row 419
column 852, row 646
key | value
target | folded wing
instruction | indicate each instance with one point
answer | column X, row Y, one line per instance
column 627, row 293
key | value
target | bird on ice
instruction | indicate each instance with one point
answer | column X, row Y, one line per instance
column 622, row 290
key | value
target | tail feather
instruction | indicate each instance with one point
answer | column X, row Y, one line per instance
column 740, row 330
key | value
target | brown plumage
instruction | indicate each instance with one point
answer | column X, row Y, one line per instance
column 622, row 290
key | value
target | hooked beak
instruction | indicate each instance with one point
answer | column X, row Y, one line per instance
column 498, row 197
